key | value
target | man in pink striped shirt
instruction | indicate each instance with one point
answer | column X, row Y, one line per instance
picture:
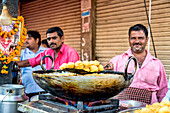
column 149, row 84
column 60, row 52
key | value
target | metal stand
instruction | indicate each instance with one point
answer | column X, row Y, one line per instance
column 80, row 106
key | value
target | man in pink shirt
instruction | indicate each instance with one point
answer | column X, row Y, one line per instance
column 149, row 84
column 60, row 52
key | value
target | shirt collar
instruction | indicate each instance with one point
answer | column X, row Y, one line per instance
column 29, row 51
column 41, row 48
column 148, row 56
column 129, row 52
column 62, row 48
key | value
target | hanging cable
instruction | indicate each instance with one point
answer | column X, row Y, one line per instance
column 150, row 29
column 149, row 36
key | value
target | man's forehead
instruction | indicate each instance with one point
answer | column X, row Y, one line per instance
column 52, row 34
column 141, row 32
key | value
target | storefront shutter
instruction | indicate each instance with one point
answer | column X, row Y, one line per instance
column 42, row 14
column 113, row 19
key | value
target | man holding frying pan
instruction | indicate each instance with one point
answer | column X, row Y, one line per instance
column 149, row 84
column 60, row 52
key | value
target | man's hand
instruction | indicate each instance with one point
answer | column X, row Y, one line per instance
column 20, row 82
column 108, row 66
column 24, row 63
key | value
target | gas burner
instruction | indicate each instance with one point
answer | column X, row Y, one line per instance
column 52, row 104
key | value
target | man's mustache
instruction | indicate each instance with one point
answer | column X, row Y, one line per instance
column 53, row 44
column 137, row 44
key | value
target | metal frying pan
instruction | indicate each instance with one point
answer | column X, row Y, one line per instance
column 88, row 87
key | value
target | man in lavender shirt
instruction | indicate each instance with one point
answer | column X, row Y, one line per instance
column 60, row 52
column 149, row 84
column 32, row 42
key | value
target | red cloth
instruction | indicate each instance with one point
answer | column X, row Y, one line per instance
column 137, row 94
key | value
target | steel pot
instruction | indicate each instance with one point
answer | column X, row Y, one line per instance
column 130, row 104
column 90, row 87
column 10, row 95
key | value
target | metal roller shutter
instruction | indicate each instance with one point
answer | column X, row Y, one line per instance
column 42, row 14
column 113, row 19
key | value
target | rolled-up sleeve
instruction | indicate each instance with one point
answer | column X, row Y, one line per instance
column 36, row 60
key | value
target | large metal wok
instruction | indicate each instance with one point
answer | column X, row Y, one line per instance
column 89, row 87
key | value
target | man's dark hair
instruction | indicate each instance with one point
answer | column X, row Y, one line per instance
column 45, row 42
column 139, row 27
column 55, row 29
column 35, row 35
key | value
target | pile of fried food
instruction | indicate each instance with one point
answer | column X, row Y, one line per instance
column 89, row 66
column 163, row 107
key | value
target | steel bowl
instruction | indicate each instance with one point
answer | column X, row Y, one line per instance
column 76, row 87
column 130, row 104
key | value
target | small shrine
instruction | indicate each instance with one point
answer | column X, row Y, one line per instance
column 12, row 37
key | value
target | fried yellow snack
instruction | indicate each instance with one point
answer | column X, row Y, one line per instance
column 165, row 102
column 163, row 107
column 86, row 64
column 96, row 63
column 100, row 68
column 89, row 66
column 63, row 66
column 79, row 65
column 86, row 69
column 70, row 65
column 93, row 68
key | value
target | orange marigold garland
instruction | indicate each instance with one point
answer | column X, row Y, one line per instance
column 7, row 59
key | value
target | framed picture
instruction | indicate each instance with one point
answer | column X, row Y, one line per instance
column 9, row 44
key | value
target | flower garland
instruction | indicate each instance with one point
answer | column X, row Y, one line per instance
column 3, row 57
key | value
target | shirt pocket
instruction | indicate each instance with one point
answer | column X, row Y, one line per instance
column 149, row 75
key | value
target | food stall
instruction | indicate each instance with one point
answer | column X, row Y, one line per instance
column 69, row 90
column 74, row 90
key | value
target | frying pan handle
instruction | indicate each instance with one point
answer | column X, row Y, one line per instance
column 128, row 77
column 42, row 62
